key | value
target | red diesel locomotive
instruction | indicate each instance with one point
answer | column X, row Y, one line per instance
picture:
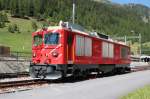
column 62, row 51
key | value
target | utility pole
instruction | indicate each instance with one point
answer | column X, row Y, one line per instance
column 140, row 46
column 125, row 39
column 140, row 41
column 73, row 12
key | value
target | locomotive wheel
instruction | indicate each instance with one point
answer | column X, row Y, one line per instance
column 84, row 74
column 100, row 73
column 76, row 74
column 120, row 70
column 111, row 73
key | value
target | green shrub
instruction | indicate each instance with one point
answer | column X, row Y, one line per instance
column 2, row 24
column 34, row 25
column 13, row 28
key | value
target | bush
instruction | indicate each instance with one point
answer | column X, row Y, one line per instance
column 34, row 25
column 45, row 24
column 3, row 17
column 13, row 28
column 2, row 24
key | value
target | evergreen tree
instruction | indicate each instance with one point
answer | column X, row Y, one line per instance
column 5, row 18
column 2, row 21
column 0, row 5
column 2, row 24
column 105, row 17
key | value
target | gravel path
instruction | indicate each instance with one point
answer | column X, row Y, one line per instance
column 100, row 88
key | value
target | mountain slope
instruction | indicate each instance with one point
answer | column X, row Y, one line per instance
column 112, row 19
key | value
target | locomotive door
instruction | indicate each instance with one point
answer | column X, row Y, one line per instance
column 70, row 51
column 117, row 53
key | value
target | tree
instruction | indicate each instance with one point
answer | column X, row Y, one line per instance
column 5, row 18
column 2, row 21
column 112, row 19
column 45, row 24
column 31, row 8
column 2, row 24
column 0, row 5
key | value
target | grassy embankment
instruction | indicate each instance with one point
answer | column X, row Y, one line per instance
column 143, row 93
column 20, row 42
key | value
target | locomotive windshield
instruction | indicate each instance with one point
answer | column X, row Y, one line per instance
column 37, row 40
column 51, row 38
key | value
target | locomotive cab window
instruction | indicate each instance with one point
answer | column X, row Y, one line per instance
column 51, row 38
column 37, row 40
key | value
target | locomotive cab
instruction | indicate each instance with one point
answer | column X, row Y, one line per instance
column 48, row 48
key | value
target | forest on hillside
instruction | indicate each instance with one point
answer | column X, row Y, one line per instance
column 112, row 19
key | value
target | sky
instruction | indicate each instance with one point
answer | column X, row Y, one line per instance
column 144, row 2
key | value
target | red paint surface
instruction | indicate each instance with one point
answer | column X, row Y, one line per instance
column 66, row 52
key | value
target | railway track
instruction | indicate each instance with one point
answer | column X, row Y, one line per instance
column 28, row 84
column 140, row 68
column 13, row 86
column 21, row 83
column 13, row 75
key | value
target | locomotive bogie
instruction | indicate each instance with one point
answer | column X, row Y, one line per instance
column 46, row 71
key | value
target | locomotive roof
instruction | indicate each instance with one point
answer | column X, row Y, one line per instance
column 80, row 30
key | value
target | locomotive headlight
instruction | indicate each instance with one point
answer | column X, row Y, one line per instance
column 54, row 54
column 34, row 55
column 46, row 55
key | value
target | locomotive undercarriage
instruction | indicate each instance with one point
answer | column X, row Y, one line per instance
column 45, row 71
column 75, row 70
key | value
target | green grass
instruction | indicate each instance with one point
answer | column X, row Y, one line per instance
column 143, row 93
column 20, row 42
